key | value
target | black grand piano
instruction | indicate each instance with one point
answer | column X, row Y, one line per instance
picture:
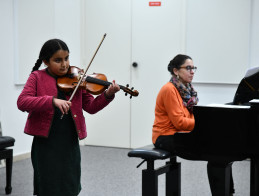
column 231, row 130
column 222, row 132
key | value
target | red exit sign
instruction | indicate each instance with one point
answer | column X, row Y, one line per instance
column 155, row 3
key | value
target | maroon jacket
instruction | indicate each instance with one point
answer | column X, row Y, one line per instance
column 36, row 99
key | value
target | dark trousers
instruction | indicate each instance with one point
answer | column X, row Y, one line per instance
column 216, row 167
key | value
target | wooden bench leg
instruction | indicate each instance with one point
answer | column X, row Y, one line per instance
column 173, row 179
column 9, row 165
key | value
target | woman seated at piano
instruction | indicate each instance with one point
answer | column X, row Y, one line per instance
column 174, row 117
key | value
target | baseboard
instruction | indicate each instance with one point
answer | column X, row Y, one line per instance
column 21, row 156
column 16, row 158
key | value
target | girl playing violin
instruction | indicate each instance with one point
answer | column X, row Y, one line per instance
column 55, row 150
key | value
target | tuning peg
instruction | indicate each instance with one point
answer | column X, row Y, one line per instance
column 126, row 94
column 130, row 96
column 132, row 88
column 127, row 85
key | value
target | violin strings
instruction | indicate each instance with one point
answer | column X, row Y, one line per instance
column 101, row 82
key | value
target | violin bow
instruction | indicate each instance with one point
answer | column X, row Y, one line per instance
column 82, row 76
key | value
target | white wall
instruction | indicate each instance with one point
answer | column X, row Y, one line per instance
column 215, row 93
column 13, row 120
column 223, row 93
column 218, row 34
column 67, row 27
column 254, row 42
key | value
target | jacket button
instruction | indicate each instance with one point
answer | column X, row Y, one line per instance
column 75, row 115
column 78, row 131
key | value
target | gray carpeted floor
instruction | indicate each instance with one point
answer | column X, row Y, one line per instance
column 110, row 172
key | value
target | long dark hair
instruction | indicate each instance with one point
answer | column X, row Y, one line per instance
column 48, row 49
column 177, row 61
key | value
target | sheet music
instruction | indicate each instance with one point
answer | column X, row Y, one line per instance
column 228, row 106
column 251, row 71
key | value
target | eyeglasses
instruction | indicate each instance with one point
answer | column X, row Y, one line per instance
column 189, row 68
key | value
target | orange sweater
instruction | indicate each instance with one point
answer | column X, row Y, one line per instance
column 171, row 115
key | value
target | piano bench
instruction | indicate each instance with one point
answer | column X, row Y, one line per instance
column 172, row 169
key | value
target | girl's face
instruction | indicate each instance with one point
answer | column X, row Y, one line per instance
column 58, row 64
column 186, row 71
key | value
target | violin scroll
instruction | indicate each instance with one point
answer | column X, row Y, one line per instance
column 129, row 91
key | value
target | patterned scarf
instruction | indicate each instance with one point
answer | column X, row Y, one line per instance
column 188, row 94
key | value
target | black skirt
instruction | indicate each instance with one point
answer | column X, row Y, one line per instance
column 56, row 160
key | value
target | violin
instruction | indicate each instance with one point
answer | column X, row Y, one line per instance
column 95, row 83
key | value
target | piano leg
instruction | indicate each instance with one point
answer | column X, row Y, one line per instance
column 254, row 175
column 220, row 179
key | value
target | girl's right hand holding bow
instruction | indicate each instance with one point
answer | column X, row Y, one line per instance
column 63, row 105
